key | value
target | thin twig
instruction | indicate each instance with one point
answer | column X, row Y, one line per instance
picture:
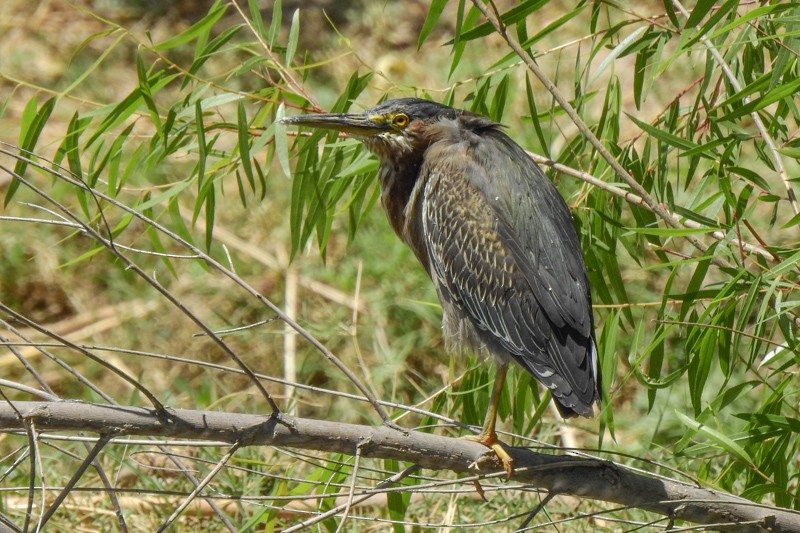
column 199, row 488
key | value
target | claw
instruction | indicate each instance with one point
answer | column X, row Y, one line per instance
column 491, row 441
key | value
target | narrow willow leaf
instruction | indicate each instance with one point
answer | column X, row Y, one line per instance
column 701, row 8
column 208, row 51
column 756, row 13
column 294, row 35
column 434, row 12
column 499, row 100
column 119, row 113
column 209, row 103
column 639, row 69
column 663, row 136
column 275, row 25
column 510, row 17
column 786, row 265
column 608, row 365
column 197, row 29
column 793, row 222
column 718, row 14
column 244, row 144
column 615, row 52
column 787, row 90
column 202, row 152
column 31, row 126
column 178, row 224
column 168, row 194
column 700, row 363
column 85, row 72
column 463, row 24
column 553, row 26
column 158, row 247
column 672, row 232
column 255, row 17
column 396, row 502
column 723, row 441
column 281, row 146
column 210, row 215
column 537, row 127
column 115, row 158
column 772, row 421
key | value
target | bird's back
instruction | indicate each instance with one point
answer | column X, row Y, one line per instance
column 503, row 253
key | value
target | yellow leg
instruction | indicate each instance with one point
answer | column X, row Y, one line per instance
column 488, row 436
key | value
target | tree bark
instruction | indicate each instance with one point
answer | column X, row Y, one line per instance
column 566, row 474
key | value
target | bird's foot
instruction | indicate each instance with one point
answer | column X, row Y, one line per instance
column 491, row 441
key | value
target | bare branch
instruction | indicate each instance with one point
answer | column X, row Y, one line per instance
column 584, row 477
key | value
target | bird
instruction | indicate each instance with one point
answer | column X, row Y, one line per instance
column 497, row 240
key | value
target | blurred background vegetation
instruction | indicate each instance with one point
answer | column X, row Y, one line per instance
column 170, row 109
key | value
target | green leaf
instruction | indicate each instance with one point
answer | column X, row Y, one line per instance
column 463, row 24
column 85, row 72
column 719, row 13
column 787, row 90
column 31, row 126
column 793, row 222
column 699, row 12
column 197, row 29
column 535, row 116
column 770, row 421
column 244, row 144
column 117, row 115
column 759, row 12
column 294, row 35
column 615, row 53
column 255, row 16
column 663, row 136
column 281, row 146
column 673, row 232
column 275, row 25
column 434, row 12
column 510, row 17
column 202, row 150
column 721, row 440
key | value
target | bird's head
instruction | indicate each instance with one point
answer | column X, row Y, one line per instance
column 391, row 130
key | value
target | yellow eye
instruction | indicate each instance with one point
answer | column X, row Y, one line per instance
column 400, row 120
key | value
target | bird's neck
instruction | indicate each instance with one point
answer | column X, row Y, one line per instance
column 397, row 179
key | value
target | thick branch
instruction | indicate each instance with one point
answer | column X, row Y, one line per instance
column 587, row 478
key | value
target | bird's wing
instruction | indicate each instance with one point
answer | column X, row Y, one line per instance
column 502, row 249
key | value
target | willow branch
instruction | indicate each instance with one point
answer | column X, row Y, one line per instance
column 762, row 129
column 583, row 477
column 637, row 200
column 660, row 210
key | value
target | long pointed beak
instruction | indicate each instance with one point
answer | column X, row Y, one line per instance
column 352, row 123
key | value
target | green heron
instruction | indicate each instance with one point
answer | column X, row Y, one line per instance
column 497, row 240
